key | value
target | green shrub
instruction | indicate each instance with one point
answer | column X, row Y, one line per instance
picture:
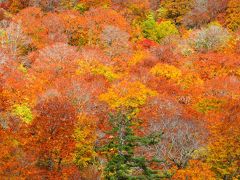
column 157, row 31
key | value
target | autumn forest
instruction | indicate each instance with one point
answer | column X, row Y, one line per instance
column 120, row 89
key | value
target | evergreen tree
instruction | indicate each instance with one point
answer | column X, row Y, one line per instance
column 123, row 163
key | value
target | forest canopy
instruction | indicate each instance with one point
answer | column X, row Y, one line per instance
column 120, row 89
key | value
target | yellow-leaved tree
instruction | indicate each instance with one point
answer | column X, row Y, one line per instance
column 127, row 95
column 224, row 146
column 85, row 138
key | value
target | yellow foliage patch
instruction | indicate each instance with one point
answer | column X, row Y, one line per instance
column 85, row 139
column 190, row 80
column 167, row 71
column 97, row 69
column 137, row 57
column 22, row 68
column 23, row 111
column 127, row 95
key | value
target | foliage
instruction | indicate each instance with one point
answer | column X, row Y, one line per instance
column 85, row 139
column 195, row 170
column 23, row 112
column 224, row 147
column 97, row 69
column 204, row 12
column 198, row 15
column 81, row 7
column 49, row 138
column 162, row 12
column 115, row 41
column 14, row 40
column 105, row 71
column 157, row 31
column 190, row 80
column 176, row 9
column 206, row 105
column 22, row 68
column 181, row 139
column 100, row 18
column 127, row 95
column 122, row 162
column 233, row 12
column 211, row 38
column 167, row 71
column 137, row 57
column 94, row 3
column 119, row 89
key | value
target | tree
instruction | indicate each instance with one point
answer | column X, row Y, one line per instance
column 13, row 40
column 43, row 29
column 198, row 15
column 233, row 12
column 176, row 9
column 74, row 27
column 98, row 19
column 32, row 26
column 195, row 170
column 55, row 28
column 157, row 31
column 16, row 5
column 224, row 146
column 116, row 42
column 203, row 12
column 132, row 10
column 212, row 38
column 180, row 139
column 167, row 71
column 46, row 5
column 85, row 140
column 127, row 95
column 56, row 61
column 216, row 7
column 11, row 155
column 122, row 162
column 48, row 140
